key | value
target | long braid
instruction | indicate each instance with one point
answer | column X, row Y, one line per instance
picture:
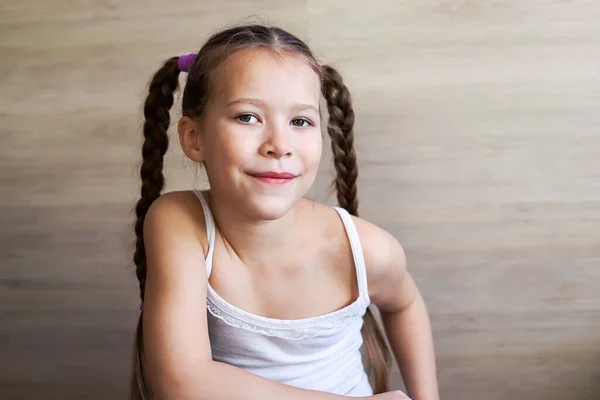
column 340, row 128
column 157, row 119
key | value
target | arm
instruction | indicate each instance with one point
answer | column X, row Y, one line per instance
column 403, row 311
column 177, row 347
column 409, row 333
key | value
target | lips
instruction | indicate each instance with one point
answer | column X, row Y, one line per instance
column 273, row 177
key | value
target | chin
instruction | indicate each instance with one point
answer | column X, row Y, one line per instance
column 270, row 208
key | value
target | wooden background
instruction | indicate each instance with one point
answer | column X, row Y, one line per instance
column 478, row 126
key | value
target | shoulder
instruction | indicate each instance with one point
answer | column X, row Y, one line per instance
column 174, row 244
column 175, row 204
column 388, row 278
column 382, row 252
column 180, row 207
column 176, row 216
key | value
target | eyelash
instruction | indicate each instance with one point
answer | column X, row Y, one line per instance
column 309, row 122
column 245, row 115
column 305, row 120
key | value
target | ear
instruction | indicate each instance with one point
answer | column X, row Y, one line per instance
column 189, row 137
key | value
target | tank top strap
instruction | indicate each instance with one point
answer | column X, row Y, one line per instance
column 357, row 254
column 211, row 230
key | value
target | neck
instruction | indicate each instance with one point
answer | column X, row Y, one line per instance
column 250, row 239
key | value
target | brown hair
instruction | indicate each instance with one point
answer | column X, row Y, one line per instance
column 197, row 89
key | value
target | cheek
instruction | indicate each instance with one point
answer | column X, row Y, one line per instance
column 225, row 160
column 312, row 153
column 227, row 149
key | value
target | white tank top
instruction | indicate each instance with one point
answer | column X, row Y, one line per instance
column 319, row 353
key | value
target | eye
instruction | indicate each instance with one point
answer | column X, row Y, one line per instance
column 246, row 118
column 301, row 122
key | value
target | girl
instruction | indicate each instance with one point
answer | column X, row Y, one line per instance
column 249, row 290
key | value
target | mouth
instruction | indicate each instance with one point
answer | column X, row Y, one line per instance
column 273, row 177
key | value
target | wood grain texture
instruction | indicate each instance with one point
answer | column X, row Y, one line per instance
column 478, row 131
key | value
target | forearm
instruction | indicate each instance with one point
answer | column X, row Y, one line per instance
column 409, row 333
column 225, row 382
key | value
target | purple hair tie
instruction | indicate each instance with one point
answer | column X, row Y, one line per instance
column 141, row 306
column 185, row 62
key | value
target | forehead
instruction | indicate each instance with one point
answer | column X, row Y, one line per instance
column 275, row 78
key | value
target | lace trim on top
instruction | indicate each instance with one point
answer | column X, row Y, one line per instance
column 286, row 328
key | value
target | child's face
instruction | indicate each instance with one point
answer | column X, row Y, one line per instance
column 262, row 117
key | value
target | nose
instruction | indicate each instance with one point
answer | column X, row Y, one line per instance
column 277, row 143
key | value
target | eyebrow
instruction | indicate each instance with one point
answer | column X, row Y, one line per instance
column 260, row 103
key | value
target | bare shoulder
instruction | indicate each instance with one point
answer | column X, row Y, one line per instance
column 390, row 284
column 383, row 253
column 177, row 213
column 176, row 204
column 174, row 232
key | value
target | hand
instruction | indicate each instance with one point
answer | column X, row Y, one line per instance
column 393, row 395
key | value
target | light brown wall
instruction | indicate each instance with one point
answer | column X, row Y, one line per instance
column 478, row 128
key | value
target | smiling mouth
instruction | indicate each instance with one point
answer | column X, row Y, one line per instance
column 273, row 178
